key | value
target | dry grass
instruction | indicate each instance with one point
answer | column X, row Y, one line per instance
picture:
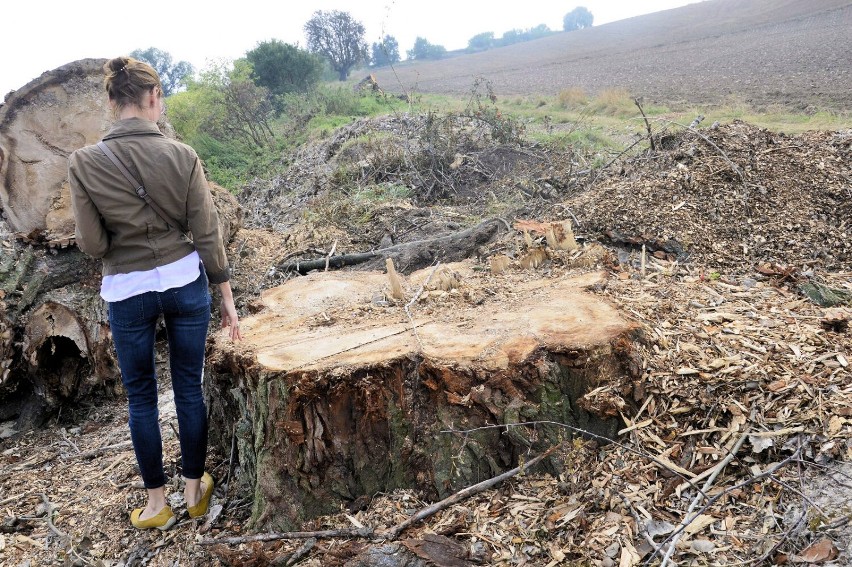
column 572, row 98
column 613, row 102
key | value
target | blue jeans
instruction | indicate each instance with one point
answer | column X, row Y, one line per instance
column 186, row 311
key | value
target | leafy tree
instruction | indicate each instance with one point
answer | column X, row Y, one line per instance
column 424, row 50
column 577, row 19
column 481, row 41
column 386, row 52
column 339, row 38
column 172, row 75
column 283, row 68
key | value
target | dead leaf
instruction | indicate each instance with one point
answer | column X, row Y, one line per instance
column 819, row 552
column 438, row 550
column 629, row 556
column 658, row 527
column 760, row 444
column 703, row 546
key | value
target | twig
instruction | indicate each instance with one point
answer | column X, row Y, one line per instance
column 292, row 558
column 707, row 485
column 647, row 124
column 615, row 159
column 274, row 536
column 14, row 498
column 67, row 440
column 640, row 525
column 50, row 509
column 100, row 451
column 784, row 537
column 394, row 532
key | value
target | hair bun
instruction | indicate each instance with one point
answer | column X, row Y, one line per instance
column 118, row 64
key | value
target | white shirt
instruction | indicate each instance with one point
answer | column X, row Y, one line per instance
column 176, row 274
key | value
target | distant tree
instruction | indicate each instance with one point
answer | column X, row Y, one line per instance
column 339, row 38
column 540, row 30
column 424, row 50
column 512, row 36
column 481, row 41
column 577, row 19
column 283, row 68
column 172, row 75
column 385, row 52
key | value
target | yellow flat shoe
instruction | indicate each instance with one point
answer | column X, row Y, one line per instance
column 201, row 507
column 162, row 521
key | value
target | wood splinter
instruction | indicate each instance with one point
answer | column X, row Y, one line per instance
column 395, row 282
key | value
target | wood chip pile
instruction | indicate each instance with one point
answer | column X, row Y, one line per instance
column 736, row 442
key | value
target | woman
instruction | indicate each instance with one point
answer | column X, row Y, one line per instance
column 152, row 269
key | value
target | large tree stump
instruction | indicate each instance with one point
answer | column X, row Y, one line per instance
column 55, row 344
column 332, row 395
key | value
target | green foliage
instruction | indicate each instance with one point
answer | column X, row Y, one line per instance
column 172, row 75
column 424, row 50
column 577, row 19
column 386, row 52
column 283, row 68
column 481, row 41
column 339, row 38
column 228, row 120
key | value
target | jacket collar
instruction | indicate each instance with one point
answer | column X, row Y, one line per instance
column 133, row 127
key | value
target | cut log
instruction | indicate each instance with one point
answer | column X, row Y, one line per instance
column 332, row 395
column 40, row 125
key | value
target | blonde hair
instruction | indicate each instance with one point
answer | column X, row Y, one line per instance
column 128, row 80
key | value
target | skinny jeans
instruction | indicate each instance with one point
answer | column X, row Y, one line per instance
column 186, row 312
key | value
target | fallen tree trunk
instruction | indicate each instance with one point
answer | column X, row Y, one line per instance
column 333, row 395
column 410, row 256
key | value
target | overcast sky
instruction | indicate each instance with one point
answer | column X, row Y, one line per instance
column 39, row 35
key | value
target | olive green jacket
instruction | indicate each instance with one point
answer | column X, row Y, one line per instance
column 116, row 225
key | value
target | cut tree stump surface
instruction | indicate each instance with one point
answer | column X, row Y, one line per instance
column 325, row 322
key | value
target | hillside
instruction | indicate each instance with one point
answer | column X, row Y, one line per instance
column 762, row 52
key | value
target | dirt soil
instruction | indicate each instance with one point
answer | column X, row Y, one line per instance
column 762, row 52
column 746, row 390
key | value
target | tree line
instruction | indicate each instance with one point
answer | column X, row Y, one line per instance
column 337, row 40
column 233, row 113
